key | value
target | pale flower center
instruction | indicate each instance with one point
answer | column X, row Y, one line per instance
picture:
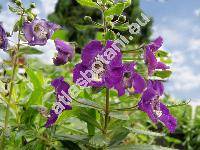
column 1, row 41
column 98, row 72
column 40, row 31
column 155, row 104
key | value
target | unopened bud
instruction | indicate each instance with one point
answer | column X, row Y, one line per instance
column 110, row 25
column 122, row 18
column 30, row 17
column 32, row 5
column 18, row 3
column 88, row 19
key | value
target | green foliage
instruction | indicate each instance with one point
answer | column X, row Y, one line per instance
column 66, row 12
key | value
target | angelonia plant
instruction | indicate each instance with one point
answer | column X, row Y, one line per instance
column 107, row 71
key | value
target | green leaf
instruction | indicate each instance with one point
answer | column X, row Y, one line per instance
column 145, row 132
column 29, row 50
column 91, row 128
column 60, row 34
column 98, row 141
column 119, row 115
column 163, row 74
column 88, row 3
column 12, row 9
column 74, row 138
column 118, row 135
column 162, row 53
column 127, row 3
column 86, row 27
column 110, row 35
column 139, row 147
column 38, row 91
column 85, row 116
column 117, row 9
column 99, row 36
column 123, row 27
column 88, row 103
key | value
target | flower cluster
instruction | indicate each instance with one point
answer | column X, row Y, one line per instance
column 38, row 32
column 123, row 77
column 101, row 66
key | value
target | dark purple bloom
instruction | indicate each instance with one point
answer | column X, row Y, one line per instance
column 65, row 52
column 3, row 38
column 132, row 81
column 100, row 66
column 38, row 31
column 63, row 100
column 156, row 110
column 150, row 57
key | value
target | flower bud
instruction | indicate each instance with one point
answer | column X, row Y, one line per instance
column 88, row 19
column 109, row 18
column 122, row 18
column 18, row 3
column 32, row 5
column 8, row 34
column 30, row 17
column 109, row 25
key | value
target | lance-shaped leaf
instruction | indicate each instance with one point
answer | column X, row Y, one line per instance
column 163, row 74
column 38, row 91
column 115, row 10
column 139, row 147
column 88, row 3
column 145, row 132
column 29, row 50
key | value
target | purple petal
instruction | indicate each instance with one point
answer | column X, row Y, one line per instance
column 90, row 51
column 156, row 44
column 64, row 47
column 150, row 60
column 157, row 86
column 162, row 66
column 60, row 59
column 169, row 121
column 117, row 60
column 27, row 29
column 139, row 83
column 145, row 103
column 113, row 76
column 65, row 52
column 60, row 85
column 3, row 38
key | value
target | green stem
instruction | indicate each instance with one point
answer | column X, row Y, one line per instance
column 11, row 85
column 107, row 111
column 137, row 50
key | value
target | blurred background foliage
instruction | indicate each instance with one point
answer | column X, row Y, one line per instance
column 70, row 14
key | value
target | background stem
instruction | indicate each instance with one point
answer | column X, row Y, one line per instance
column 14, row 68
column 107, row 110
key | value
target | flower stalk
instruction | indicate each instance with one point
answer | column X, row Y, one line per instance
column 14, row 69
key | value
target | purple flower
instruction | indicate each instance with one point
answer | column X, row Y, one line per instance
column 65, row 52
column 150, row 57
column 38, row 31
column 156, row 110
column 63, row 100
column 3, row 38
column 100, row 66
column 132, row 81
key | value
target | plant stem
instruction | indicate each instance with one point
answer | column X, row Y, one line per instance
column 107, row 111
column 134, row 50
column 14, row 65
